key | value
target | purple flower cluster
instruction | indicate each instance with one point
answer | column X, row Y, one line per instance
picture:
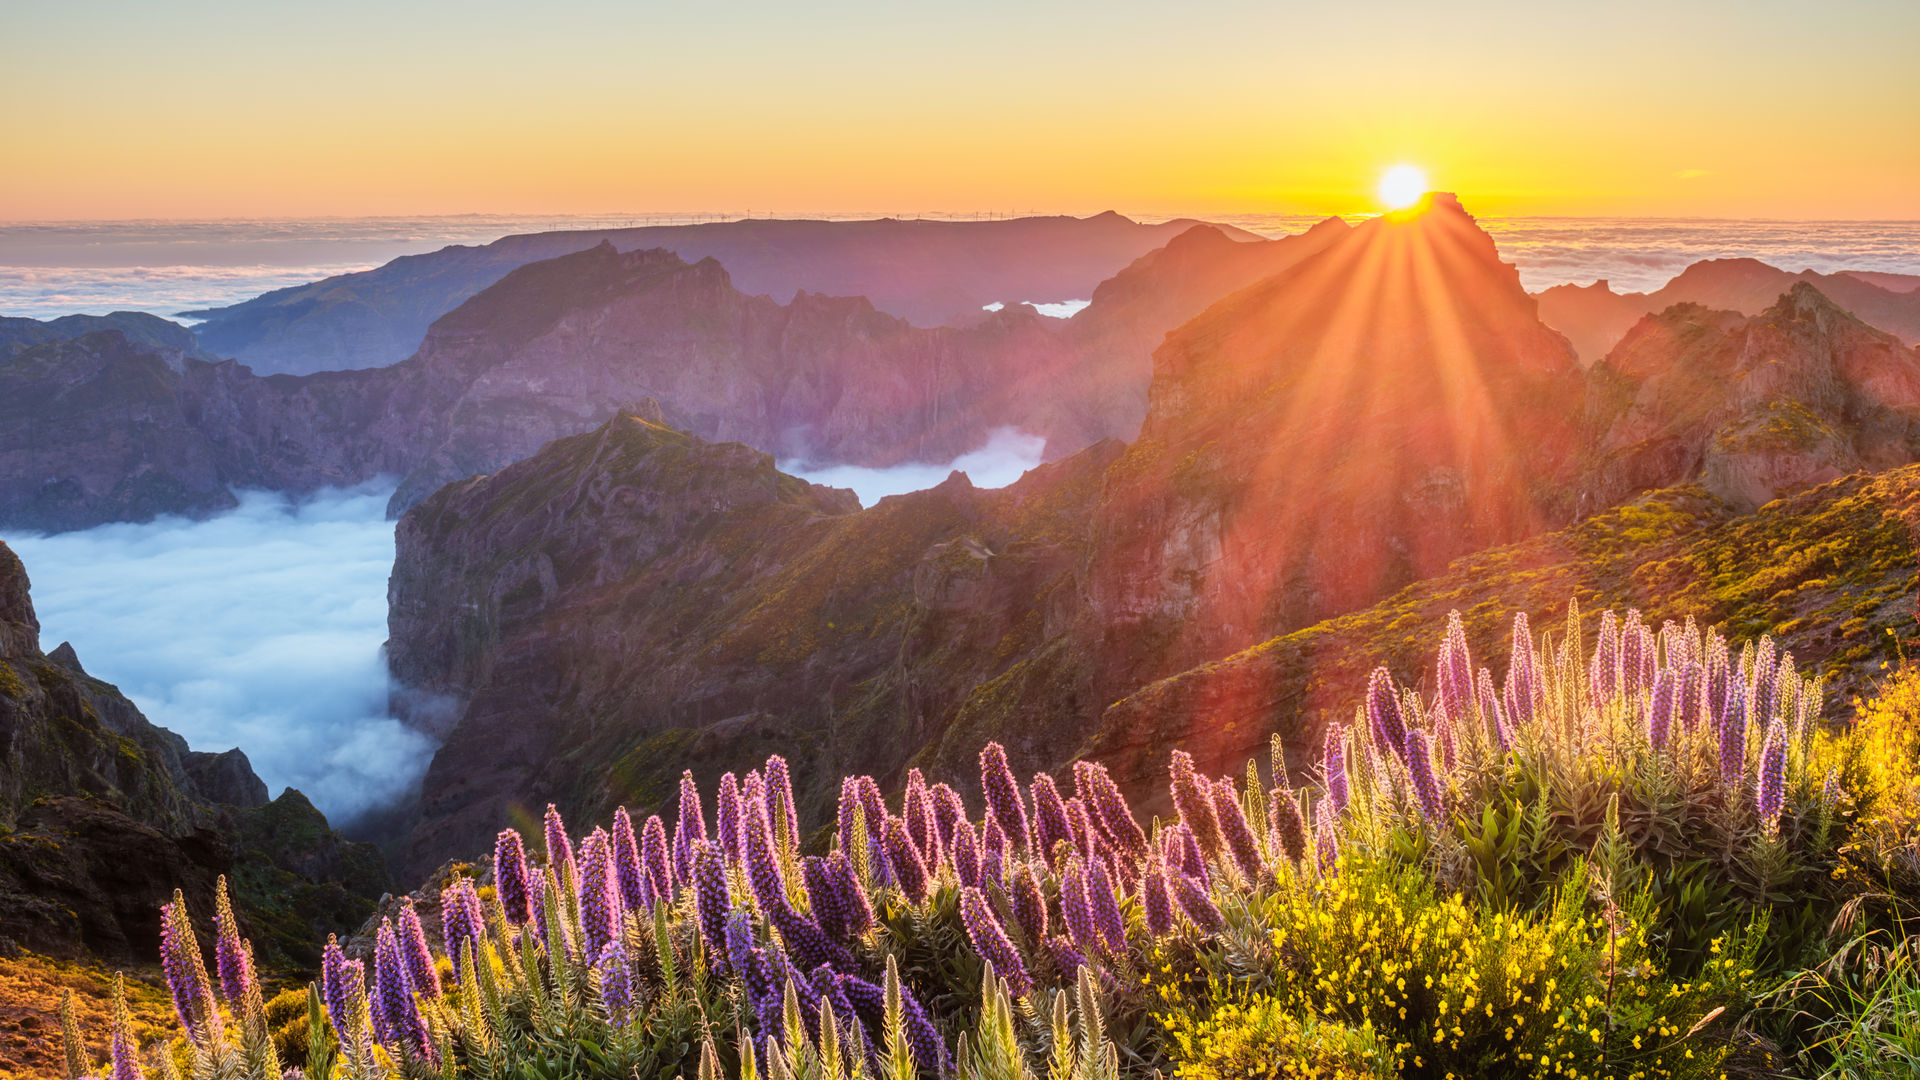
column 1002, row 793
column 1770, row 794
column 421, row 974
column 600, row 912
column 1289, row 828
column 186, row 973
column 397, row 1022
column 510, row 876
column 462, row 926
column 990, row 941
column 1240, row 841
column 1193, row 798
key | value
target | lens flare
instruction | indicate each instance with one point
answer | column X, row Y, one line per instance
column 1402, row 186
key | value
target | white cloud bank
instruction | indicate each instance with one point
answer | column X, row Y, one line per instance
column 1008, row 453
column 260, row 628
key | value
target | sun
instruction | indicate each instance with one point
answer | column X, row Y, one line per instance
column 1402, row 186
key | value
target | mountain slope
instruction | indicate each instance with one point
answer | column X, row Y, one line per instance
column 925, row 272
column 1829, row 572
column 103, row 815
column 635, row 601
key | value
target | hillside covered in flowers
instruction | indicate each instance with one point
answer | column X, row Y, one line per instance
column 1651, row 854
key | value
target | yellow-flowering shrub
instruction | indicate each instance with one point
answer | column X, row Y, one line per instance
column 1376, row 971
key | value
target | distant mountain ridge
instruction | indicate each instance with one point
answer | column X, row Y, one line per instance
column 100, row 428
column 1596, row 318
column 926, row 272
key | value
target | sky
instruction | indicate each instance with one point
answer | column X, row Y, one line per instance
column 117, row 109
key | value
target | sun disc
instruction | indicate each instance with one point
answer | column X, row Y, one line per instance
column 1402, row 186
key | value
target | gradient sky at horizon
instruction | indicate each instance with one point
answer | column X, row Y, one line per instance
column 1763, row 108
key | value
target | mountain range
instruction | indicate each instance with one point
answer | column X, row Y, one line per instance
column 925, row 272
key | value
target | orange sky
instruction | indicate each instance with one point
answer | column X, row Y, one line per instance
column 1752, row 109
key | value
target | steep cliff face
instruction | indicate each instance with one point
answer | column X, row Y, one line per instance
column 1752, row 407
column 635, row 601
column 925, row 272
column 1329, row 435
column 103, row 815
column 1595, row 318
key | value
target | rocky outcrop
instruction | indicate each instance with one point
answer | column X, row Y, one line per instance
column 635, row 601
column 1595, row 318
column 103, row 815
column 924, row 272
column 1754, row 408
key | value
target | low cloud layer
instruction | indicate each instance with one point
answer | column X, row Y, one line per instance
column 1008, row 453
column 260, row 628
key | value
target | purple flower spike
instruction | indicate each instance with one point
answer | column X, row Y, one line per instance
column 1733, row 735
column 711, row 898
column 1333, row 757
column 782, row 814
column 838, row 900
column 186, row 973
column 1106, row 909
column 232, row 955
column 873, row 811
column 990, row 941
column 123, row 1048
column 397, row 1022
column 763, row 872
column 559, row 848
column 1660, row 710
column 1029, row 904
column 964, row 854
column 636, row 892
column 1183, row 854
column 1233, row 826
column 1109, row 809
column 949, row 813
column 916, row 809
column 1454, row 675
column 903, row 855
column 1050, row 825
column 1199, row 907
column 726, row 817
column 616, row 980
column 1002, row 793
column 1076, row 905
column 1420, row 769
column 510, row 875
column 994, row 850
column 1523, row 678
column 421, row 974
column 1443, row 734
column 1771, row 795
column 1193, row 798
column 342, row 988
column 692, row 826
column 805, row 939
column 654, row 858
column 1066, row 957
column 1383, row 712
column 599, row 898
column 1289, row 828
column 1326, row 840
column 1631, row 646
column 1085, row 837
column 1156, row 900
column 462, row 926
column 1603, row 678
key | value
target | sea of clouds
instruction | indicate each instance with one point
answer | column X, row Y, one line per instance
column 1008, row 453
column 48, row 269
column 259, row 628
